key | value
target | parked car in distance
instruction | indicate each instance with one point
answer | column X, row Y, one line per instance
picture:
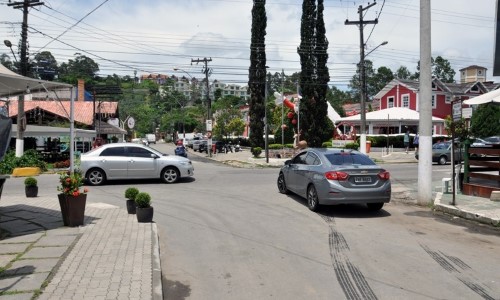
column 494, row 140
column 441, row 153
column 479, row 143
column 151, row 138
column 199, row 145
column 335, row 176
column 132, row 161
column 190, row 142
column 220, row 147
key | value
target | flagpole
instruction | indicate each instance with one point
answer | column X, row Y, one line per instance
column 282, row 110
column 298, row 112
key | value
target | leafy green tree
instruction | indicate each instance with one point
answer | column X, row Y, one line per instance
column 45, row 65
column 236, row 126
column 485, row 120
column 314, row 75
column 257, row 73
column 375, row 80
column 81, row 67
column 223, row 119
column 402, row 73
column 441, row 69
column 337, row 99
column 5, row 60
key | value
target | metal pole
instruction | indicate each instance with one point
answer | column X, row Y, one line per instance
column 363, row 79
column 282, row 109
column 266, row 130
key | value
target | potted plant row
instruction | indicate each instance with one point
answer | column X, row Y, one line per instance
column 31, row 187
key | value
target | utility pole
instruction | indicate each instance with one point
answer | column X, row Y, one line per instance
column 21, row 120
column 425, row 96
column 361, row 24
column 207, row 71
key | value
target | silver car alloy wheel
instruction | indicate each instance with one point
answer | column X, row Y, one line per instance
column 282, row 184
column 170, row 175
column 312, row 198
column 95, row 177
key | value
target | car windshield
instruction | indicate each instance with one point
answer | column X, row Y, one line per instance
column 440, row 146
column 349, row 158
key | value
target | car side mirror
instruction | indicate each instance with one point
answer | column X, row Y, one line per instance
column 288, row 162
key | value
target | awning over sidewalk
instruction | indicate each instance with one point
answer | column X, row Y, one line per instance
column 36, row 131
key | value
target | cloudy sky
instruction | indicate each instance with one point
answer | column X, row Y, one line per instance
column 156, row 36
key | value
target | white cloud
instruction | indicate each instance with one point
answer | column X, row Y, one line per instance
column 156, row 36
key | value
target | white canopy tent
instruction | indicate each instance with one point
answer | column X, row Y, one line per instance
column 394, row 116
column 12, row 84
column 493, row 96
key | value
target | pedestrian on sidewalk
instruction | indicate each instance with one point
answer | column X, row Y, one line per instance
column 415, row 142
column 406, row 140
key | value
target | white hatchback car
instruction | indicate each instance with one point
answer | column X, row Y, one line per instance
column 132, row 161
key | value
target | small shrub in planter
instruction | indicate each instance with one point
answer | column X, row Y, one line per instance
column 144, row 210
column 130, row 194
column 256, row 151
column 31, row 187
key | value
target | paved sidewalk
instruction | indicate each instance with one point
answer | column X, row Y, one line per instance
column 111, row 257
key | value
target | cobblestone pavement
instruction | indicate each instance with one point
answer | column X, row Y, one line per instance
column 111, row 256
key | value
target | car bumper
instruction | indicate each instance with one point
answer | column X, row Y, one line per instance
column 337, row 194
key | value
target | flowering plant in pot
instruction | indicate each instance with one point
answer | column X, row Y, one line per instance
column 72, row 198
column 130, row 194
column 31, row 187
column 144, row 210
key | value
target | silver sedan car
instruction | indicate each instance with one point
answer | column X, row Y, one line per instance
column 335, row 176
column 132, row 161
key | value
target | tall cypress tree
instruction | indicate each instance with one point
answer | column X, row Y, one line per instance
column 257, row 73
column 314, row 76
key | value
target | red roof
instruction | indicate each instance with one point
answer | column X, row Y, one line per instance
column 83, row 109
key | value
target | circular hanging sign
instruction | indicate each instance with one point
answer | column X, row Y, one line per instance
column 131, row 122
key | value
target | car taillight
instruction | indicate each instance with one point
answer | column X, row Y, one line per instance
column 333, row 175
column 384, row 175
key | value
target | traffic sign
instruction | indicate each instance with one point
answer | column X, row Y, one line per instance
column 457, row 111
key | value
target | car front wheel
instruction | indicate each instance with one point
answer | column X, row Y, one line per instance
column 170, row 175
column 282, row 184
column 96, row 177
column 442, row 160
column 312, row 198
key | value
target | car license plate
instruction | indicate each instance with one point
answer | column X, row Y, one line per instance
column 363, row 179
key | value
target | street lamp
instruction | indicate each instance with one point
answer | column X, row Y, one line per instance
column 363, row 94
column 9, row 44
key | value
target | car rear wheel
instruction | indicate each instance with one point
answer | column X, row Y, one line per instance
column 282, row 184
column 442, row 160
column 170, row 175
column 375, row 206
column 312, row 198
column 96, row 177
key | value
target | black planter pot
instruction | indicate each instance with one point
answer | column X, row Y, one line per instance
column 31, row 191
column 144, row 215
column 72, row 209
column 131, row 207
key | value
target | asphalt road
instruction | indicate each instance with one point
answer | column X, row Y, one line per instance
column 228, row 234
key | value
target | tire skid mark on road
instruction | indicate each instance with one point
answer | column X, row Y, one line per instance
column 452, row 264
column 350, row 278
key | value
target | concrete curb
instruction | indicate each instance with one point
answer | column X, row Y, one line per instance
column 463, row 213
column 157, row 285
